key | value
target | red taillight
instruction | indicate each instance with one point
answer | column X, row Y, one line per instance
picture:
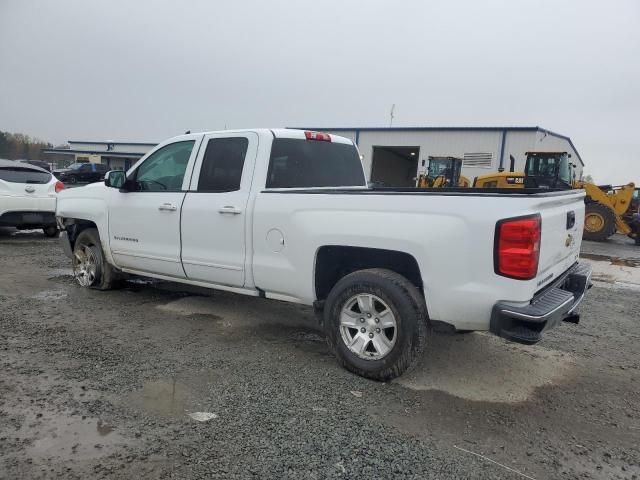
column 59, row 186
column 517, row 247
column 321, row 137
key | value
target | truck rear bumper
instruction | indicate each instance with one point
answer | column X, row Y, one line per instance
column 556, row 303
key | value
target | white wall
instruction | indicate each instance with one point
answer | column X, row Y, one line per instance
column 435, row 143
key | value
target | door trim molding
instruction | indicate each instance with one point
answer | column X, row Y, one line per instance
column 150, row 257
column 214, row 265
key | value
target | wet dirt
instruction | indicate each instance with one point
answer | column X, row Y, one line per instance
column 617, row 261
column 101, row 385
column 497, row 371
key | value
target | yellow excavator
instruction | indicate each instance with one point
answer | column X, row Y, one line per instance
column 608, row 208
column 442, row 172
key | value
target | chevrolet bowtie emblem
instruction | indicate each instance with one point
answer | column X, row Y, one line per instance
column 569, row 241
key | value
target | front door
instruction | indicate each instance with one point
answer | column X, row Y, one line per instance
column 214, row 214
column 144, row 221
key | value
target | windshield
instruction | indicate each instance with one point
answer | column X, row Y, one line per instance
column 549, row 166
column 439, row 167
column 75, row 166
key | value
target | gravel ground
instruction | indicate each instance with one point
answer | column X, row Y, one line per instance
column 102, row 385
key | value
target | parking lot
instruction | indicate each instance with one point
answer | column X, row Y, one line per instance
column 153, row 380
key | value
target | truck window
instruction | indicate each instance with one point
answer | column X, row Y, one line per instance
column 222, row 164
column 20, row 174
column 164, row 169
column 298, row 163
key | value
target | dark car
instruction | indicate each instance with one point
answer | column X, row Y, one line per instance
column 82, row 173
column 38, row 163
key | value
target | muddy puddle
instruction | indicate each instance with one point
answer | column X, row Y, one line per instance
column 481, row 367
column 68, row 437
column 174, row 397
column 50, row 295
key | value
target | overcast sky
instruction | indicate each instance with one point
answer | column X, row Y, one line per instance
column 148, row 70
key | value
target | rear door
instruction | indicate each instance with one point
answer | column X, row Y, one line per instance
column 214, row 214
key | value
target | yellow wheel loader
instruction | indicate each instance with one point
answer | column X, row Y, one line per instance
column 607, row 207
column 442, row 172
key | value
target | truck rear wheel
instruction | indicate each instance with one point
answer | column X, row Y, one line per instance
column 599, row 222
column 90, row 269
column 376, row 323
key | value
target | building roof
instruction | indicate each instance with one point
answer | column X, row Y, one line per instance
column 70, row 151
column 144, row 144
column 417, row 129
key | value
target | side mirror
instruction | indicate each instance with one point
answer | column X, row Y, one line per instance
column 115, row 179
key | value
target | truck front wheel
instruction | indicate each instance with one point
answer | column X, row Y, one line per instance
column 376, row 323
column 89, row 266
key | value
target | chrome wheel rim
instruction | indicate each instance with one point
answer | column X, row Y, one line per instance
column 368, row 326
column 85, row 265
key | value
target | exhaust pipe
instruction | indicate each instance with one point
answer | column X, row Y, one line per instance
column 512, row 165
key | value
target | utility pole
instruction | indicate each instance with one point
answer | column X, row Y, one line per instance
column 391, row 114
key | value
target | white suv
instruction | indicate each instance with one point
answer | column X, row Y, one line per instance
column 28, row 197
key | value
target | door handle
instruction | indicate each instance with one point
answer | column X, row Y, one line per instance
column 230, row 209
column 168, row 207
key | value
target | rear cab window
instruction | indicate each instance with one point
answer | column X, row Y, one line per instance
column 303, row 163
column 24, row 174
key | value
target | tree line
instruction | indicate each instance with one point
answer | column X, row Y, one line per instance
column 14, row 146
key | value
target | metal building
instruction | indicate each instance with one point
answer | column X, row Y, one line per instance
column 394, row 156
column 391, row 156
column 117, row 155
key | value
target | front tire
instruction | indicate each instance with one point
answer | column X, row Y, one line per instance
column 599, row 222
column 376, row 323
column 90, row 269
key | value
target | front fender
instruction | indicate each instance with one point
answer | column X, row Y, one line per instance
column 88, row 204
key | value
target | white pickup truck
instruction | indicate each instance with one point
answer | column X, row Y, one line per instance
column 287, row 214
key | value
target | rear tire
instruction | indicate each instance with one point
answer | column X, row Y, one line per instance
column 376, row 323
column 599, row 222
column 90, row 269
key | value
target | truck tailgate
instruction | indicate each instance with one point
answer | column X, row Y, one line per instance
column 562, row 225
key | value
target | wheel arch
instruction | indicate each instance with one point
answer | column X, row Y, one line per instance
column 334, row 262
column 74, row 226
